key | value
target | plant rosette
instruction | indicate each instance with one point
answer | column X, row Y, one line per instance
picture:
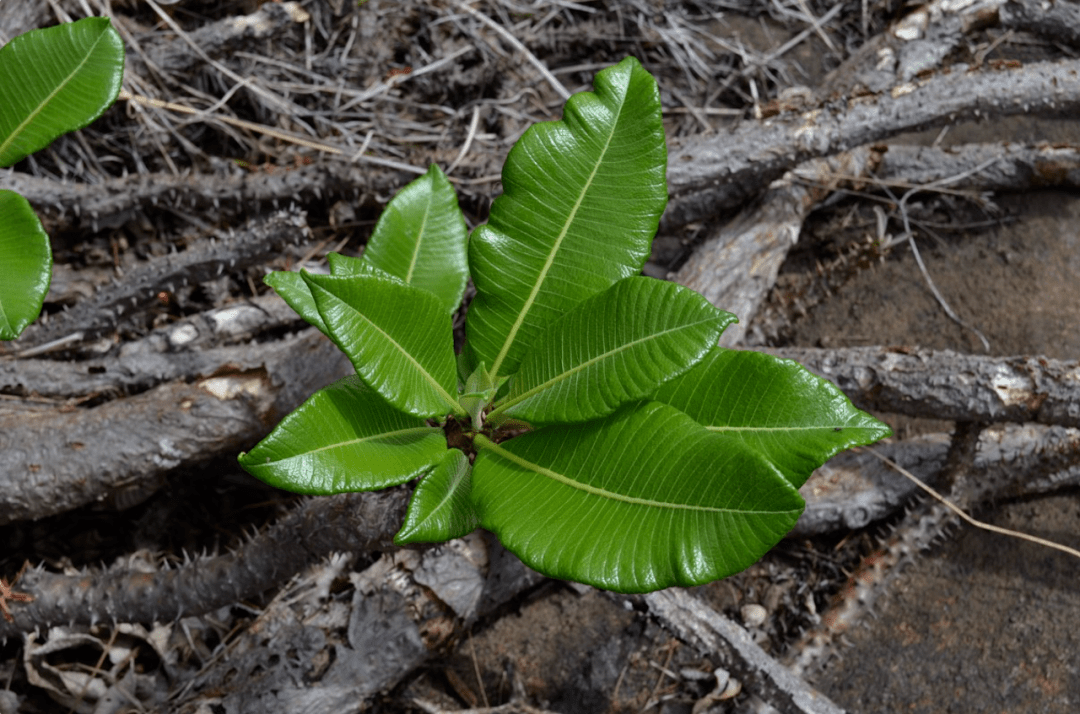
column 591, row 421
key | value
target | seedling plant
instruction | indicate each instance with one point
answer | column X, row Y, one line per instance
column 591, row 421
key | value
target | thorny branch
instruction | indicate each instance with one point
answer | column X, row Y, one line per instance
column 948, row 385
column 925, row 524
column 349, row 522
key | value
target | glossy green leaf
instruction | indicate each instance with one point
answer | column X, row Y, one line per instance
column 421, row 238
column 613, row 348
column 25, row 265
column 478, row 392
column 296, row 293
column 348, row 265
column 774, row 406
column 440, row 508
column 398, row 337
column 581, row 203
column 639, row 500
column 345, row 437
column 54, row 81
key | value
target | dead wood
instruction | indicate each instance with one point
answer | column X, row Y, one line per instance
column 197, row 346
column 759, row 239
column 1005, row 166
column 275, row 656
column 220, row 197
column 856, row 488
column 346, row 523
column 213, row 40
column 59, row 458
column 406, row 608
column 949, row 385
column 710, row 632
column 1057, row 20
column 109, row 309
column 916, row 43
column 926, row 524
column 761, row 235
column 714, row 173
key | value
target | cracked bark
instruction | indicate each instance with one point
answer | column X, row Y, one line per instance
column 217, row 198
column 926, row 524
column 855, row 488
column 1057, row 20
column 196, row 346
column 710, row 632
column 762, row 234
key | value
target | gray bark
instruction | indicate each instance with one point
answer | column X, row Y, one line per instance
column 856, row 488
column 713, row 173
column 218, row 198
column 196, row 346
column 348, row 522
column 1057, row 20
column 758, row 240
column 109, row 308
column 55, row 459
column 948, row 385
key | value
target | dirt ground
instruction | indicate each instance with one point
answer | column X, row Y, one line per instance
column 980, row 623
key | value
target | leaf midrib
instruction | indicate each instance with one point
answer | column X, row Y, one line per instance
column 833, row 427
column 446, row 501
column 351, row 442
column 588, row 363
column 427, row 376
column 603, row 493
column 512, row 335
column 419, row 240
column 49, row 97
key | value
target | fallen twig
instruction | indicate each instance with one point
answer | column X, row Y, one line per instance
column 54, row 458
column 949, row 385
column 255, row 243
column 349, row 522
column 717, row 172
column 710, row 632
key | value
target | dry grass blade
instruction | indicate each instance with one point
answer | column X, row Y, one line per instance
column 960, row 512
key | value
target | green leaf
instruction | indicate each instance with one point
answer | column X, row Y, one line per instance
column 582, row 200
column 347, row 265
column 296, row 293
column 398, row 337
column 613, row 348
column 345, row 437
column 640, row 500
column 478, row 392
column 421, row 238
column 440, row 508
column 25, row 265
column 774, row 406
column 54, row 81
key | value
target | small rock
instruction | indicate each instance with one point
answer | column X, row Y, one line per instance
column 753, row 615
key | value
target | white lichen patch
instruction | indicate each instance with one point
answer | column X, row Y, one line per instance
column 1011, row 388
